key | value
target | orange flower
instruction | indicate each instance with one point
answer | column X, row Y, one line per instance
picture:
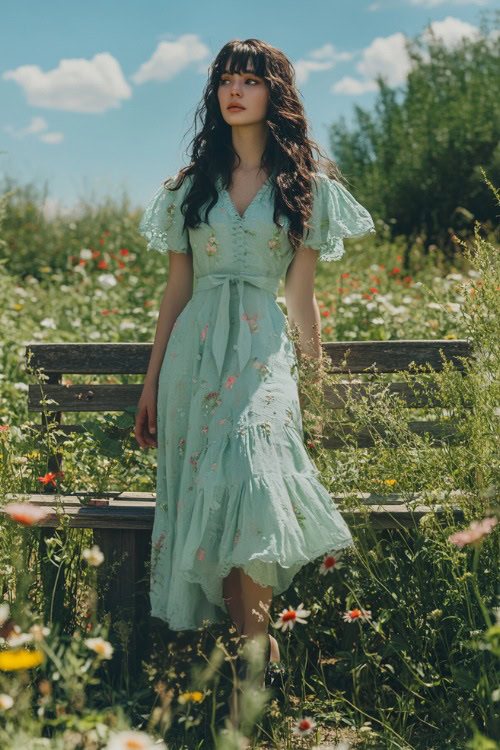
column 50, row 477
column 25, row 513
column 357, row 614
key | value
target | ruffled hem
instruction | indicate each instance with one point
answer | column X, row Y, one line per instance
column 162, row 223
column 336, row 215
column 333, row 248
column 223, row 617
column 268, row 524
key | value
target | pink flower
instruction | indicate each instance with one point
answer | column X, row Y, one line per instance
column 222, row 421
column 201, row 554
column 204, row 333
column 230, row 381
column 474, row 534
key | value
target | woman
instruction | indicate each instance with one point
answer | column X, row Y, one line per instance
column 240, row 508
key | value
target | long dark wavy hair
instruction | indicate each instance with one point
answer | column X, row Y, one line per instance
column 287, row 157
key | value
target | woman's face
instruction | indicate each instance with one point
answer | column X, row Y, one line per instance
column 246, row 90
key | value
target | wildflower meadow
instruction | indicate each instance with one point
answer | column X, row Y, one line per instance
column 394, row 643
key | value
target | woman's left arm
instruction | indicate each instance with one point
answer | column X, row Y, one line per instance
column 302, row 307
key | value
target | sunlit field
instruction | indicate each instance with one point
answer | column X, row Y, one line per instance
column 398, row 644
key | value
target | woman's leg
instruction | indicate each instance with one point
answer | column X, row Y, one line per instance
column 256, row 618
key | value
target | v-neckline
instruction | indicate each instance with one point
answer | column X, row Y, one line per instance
column 259, row 191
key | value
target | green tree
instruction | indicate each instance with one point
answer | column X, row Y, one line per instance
column 416, row 159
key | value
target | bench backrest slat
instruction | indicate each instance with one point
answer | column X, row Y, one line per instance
column 133, row 358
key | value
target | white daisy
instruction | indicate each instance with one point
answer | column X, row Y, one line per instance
column 289, row 617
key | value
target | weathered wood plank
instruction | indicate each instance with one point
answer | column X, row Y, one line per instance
column 127, row 497
column 118, row 396
column 441, row 432
column 122, row 585
column 391, row 356
column 141, row 516
column 133, row 358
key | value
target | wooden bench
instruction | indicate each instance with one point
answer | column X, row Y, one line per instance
column 122, row 521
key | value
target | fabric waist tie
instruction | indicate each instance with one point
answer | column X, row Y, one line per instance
column 220, row 334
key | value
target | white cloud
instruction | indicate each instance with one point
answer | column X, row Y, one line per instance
column 387, row 56
column 37, row 125
column 349, row 85
column 451, row 31
column 170, row 58
column 374, row 7
column 76, row 85
column 323, row 58
column 52, row 138
column 434, row 3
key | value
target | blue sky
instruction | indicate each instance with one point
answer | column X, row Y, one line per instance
column 96, row 98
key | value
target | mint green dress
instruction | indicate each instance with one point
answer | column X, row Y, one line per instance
column 235, row 485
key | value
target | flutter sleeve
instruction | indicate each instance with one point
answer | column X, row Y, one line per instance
column 162, row 223
column 335, row 214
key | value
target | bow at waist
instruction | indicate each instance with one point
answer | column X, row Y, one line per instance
column 220, row 334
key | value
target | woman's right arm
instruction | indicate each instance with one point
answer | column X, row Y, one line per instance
column 178, row 292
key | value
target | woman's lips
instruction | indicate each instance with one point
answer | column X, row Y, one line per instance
column 236, row 107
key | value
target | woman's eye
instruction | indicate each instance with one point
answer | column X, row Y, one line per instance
column 248, row 80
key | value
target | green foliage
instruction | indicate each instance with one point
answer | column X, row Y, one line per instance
column 415, row 161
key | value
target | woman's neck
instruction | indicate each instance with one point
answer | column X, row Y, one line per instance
column 249, row 143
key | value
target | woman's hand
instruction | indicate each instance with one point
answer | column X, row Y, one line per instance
column 145, row 419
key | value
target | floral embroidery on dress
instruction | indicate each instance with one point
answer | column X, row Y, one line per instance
column 299, row 516
column 178, row 504
column 211, row 246
column 180, row 447
column 236, row 537
column 201, row 553
column 252, row 321
column 170, row 212
column 159, row 541
column 261, row 367
column 230, row 381
column 275, row 242
column 194, row 461
column 211, row 401
column 204, row 429
column 266, row 427
column 204, row 333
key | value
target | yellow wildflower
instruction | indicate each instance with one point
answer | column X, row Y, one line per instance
column 20, row 658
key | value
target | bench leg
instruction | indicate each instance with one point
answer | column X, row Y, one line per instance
column 123, row 591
